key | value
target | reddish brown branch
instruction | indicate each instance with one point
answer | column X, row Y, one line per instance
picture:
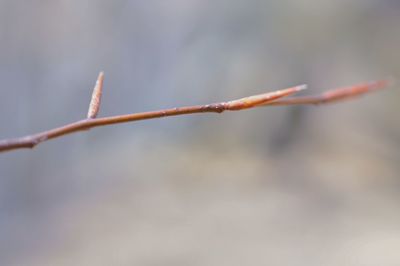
column 335, row 95
column 272, row 98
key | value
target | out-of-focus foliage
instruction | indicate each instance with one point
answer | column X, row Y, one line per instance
column 304, row 186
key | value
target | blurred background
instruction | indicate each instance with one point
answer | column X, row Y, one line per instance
column 299, row 185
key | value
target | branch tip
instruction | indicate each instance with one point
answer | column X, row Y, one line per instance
column 337, row 94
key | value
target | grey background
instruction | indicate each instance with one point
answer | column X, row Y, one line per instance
column 271, row 186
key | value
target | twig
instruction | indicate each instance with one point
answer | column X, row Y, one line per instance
column 335, row 95
column 271, row 98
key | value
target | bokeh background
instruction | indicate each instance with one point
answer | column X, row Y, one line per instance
column 272, row 186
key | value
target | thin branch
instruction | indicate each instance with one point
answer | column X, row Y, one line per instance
column 335, row 95
column 271, row 98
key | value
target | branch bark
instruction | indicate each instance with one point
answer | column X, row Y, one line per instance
column 266, row 99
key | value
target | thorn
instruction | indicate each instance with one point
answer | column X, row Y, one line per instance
column 95, row 102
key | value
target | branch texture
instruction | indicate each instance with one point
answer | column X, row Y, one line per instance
column 266, row 99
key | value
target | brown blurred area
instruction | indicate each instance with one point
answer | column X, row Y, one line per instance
column 270, row 186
